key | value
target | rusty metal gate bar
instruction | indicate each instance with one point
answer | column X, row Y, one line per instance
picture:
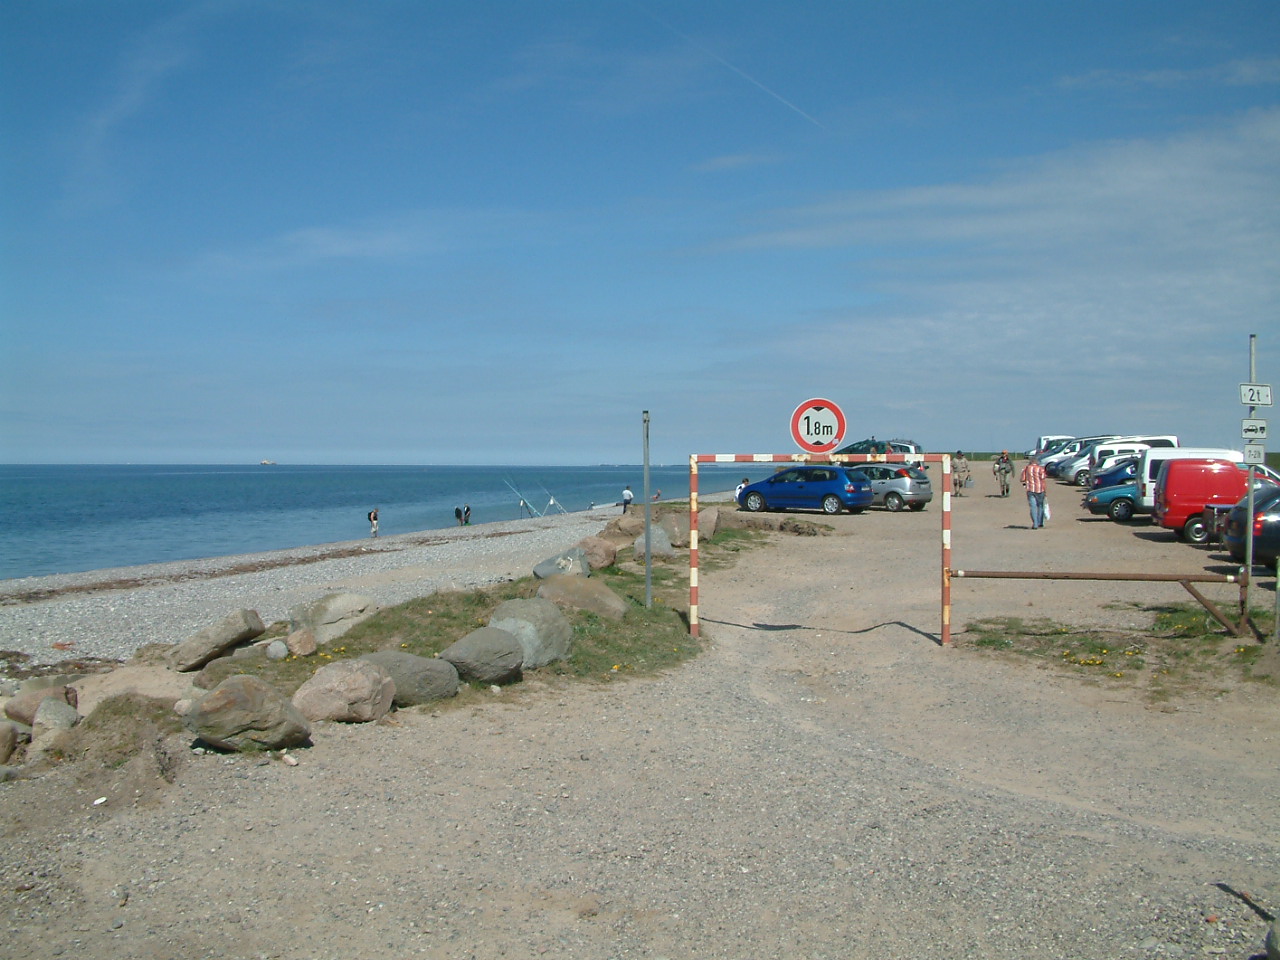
column 1186, row 579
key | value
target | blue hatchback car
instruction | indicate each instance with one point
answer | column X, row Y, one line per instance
column 828, row 487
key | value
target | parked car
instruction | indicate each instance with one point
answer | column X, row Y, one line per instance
column 898, row 485
column 1122, row 470
column 1185, row 487
column 872, row 445
column 1043, row 443
column 1149, row 462
column 1069, row 451
column 1266, row 527
column 1119, row 502
column 829, row 488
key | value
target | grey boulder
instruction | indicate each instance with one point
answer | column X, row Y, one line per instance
column 331, row 616
column 417, row 679
column 544, row 633
column 573, row 562
column 216, row 639
column 487, row 655
column 245, row 713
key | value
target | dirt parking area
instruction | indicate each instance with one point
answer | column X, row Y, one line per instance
column 825, row 781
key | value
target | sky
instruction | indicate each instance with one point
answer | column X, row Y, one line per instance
column 486, row 232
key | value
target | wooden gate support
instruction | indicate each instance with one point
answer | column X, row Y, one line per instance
column 1239, row 629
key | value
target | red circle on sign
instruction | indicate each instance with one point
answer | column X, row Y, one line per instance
column 817, row 426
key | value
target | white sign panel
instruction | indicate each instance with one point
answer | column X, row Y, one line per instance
column 1255, row 394
column 1255, row 453
column 1253, row 429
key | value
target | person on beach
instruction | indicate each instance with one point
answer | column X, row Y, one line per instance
column 457, row 513
column 1033, row 478
column 373, row 522
column 738, row 492
column 960, row 471
column 466, row 515
column 627, row 497
column 1002, row 468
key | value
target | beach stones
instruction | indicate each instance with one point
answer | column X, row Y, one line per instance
column 215, row 640
column 331, row 616
column 544, row 633
column 350, row 691
column 245, row 713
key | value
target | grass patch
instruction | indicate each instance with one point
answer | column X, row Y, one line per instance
column 1184, row 651
column 645, row 641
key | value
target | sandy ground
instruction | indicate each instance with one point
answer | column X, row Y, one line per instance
column 825, row 781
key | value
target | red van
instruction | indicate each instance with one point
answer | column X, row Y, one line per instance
column 1185, row 487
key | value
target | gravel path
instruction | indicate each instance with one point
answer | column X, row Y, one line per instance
column 824, row 782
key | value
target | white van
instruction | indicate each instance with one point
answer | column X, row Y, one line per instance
column 1044, row 441
column 1152, row 458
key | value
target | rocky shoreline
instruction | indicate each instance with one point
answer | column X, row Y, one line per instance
column 108, row 614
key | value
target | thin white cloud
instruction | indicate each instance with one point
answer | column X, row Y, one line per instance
column 736, row 161
column 1235, row 73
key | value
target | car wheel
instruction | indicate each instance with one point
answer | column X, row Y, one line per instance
column 1082, row 478
column 893, row 501
column 755, row 502
column 916, row 506
column 1195, row 530
column 1120, row 510
column 831, row 504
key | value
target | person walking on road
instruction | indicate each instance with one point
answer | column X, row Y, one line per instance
column 1033, row 478
column 1002, row 467
column 960, row 472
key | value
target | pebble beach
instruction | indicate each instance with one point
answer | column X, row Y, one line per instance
column 108, row 614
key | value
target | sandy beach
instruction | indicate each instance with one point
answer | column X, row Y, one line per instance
column 825, row 781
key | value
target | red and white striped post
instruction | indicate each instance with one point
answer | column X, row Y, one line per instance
column 943, row 458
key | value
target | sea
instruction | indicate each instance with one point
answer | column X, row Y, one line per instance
column 73, row 518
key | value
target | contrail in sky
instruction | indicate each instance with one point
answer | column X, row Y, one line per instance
column 725, row 63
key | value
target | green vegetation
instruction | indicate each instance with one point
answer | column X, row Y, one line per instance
column 643, row 642
column 1185, row 650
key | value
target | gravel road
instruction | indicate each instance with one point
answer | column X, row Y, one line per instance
column 824, row 782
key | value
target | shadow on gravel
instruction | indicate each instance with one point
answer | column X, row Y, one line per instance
column 933, row 638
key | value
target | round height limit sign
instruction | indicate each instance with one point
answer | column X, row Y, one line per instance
column 817, row 426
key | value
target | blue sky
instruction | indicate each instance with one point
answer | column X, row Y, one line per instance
column 496, row 232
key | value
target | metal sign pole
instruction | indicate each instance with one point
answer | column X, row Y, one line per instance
column 1248, row 536
column 648, row 520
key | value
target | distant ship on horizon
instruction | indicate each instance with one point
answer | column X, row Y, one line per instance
column 267, row 463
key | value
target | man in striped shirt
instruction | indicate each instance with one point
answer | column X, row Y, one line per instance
column 1033, row 477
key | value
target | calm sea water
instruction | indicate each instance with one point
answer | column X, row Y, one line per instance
column 66, row 519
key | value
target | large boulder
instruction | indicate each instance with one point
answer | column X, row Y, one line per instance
column 579, row 593
column 659, row 543
column 544, row 633
column 154, row 682
column 676, row 526
column 26, row 702
column 708, row 522
column 600, row 552
column 331, row 616
column 245, row 713
column 8, row 740
column 487, row 656
column 349, row 691
column 216, row 639
column 417, row 679
column 53, row 718
column 573, row 561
